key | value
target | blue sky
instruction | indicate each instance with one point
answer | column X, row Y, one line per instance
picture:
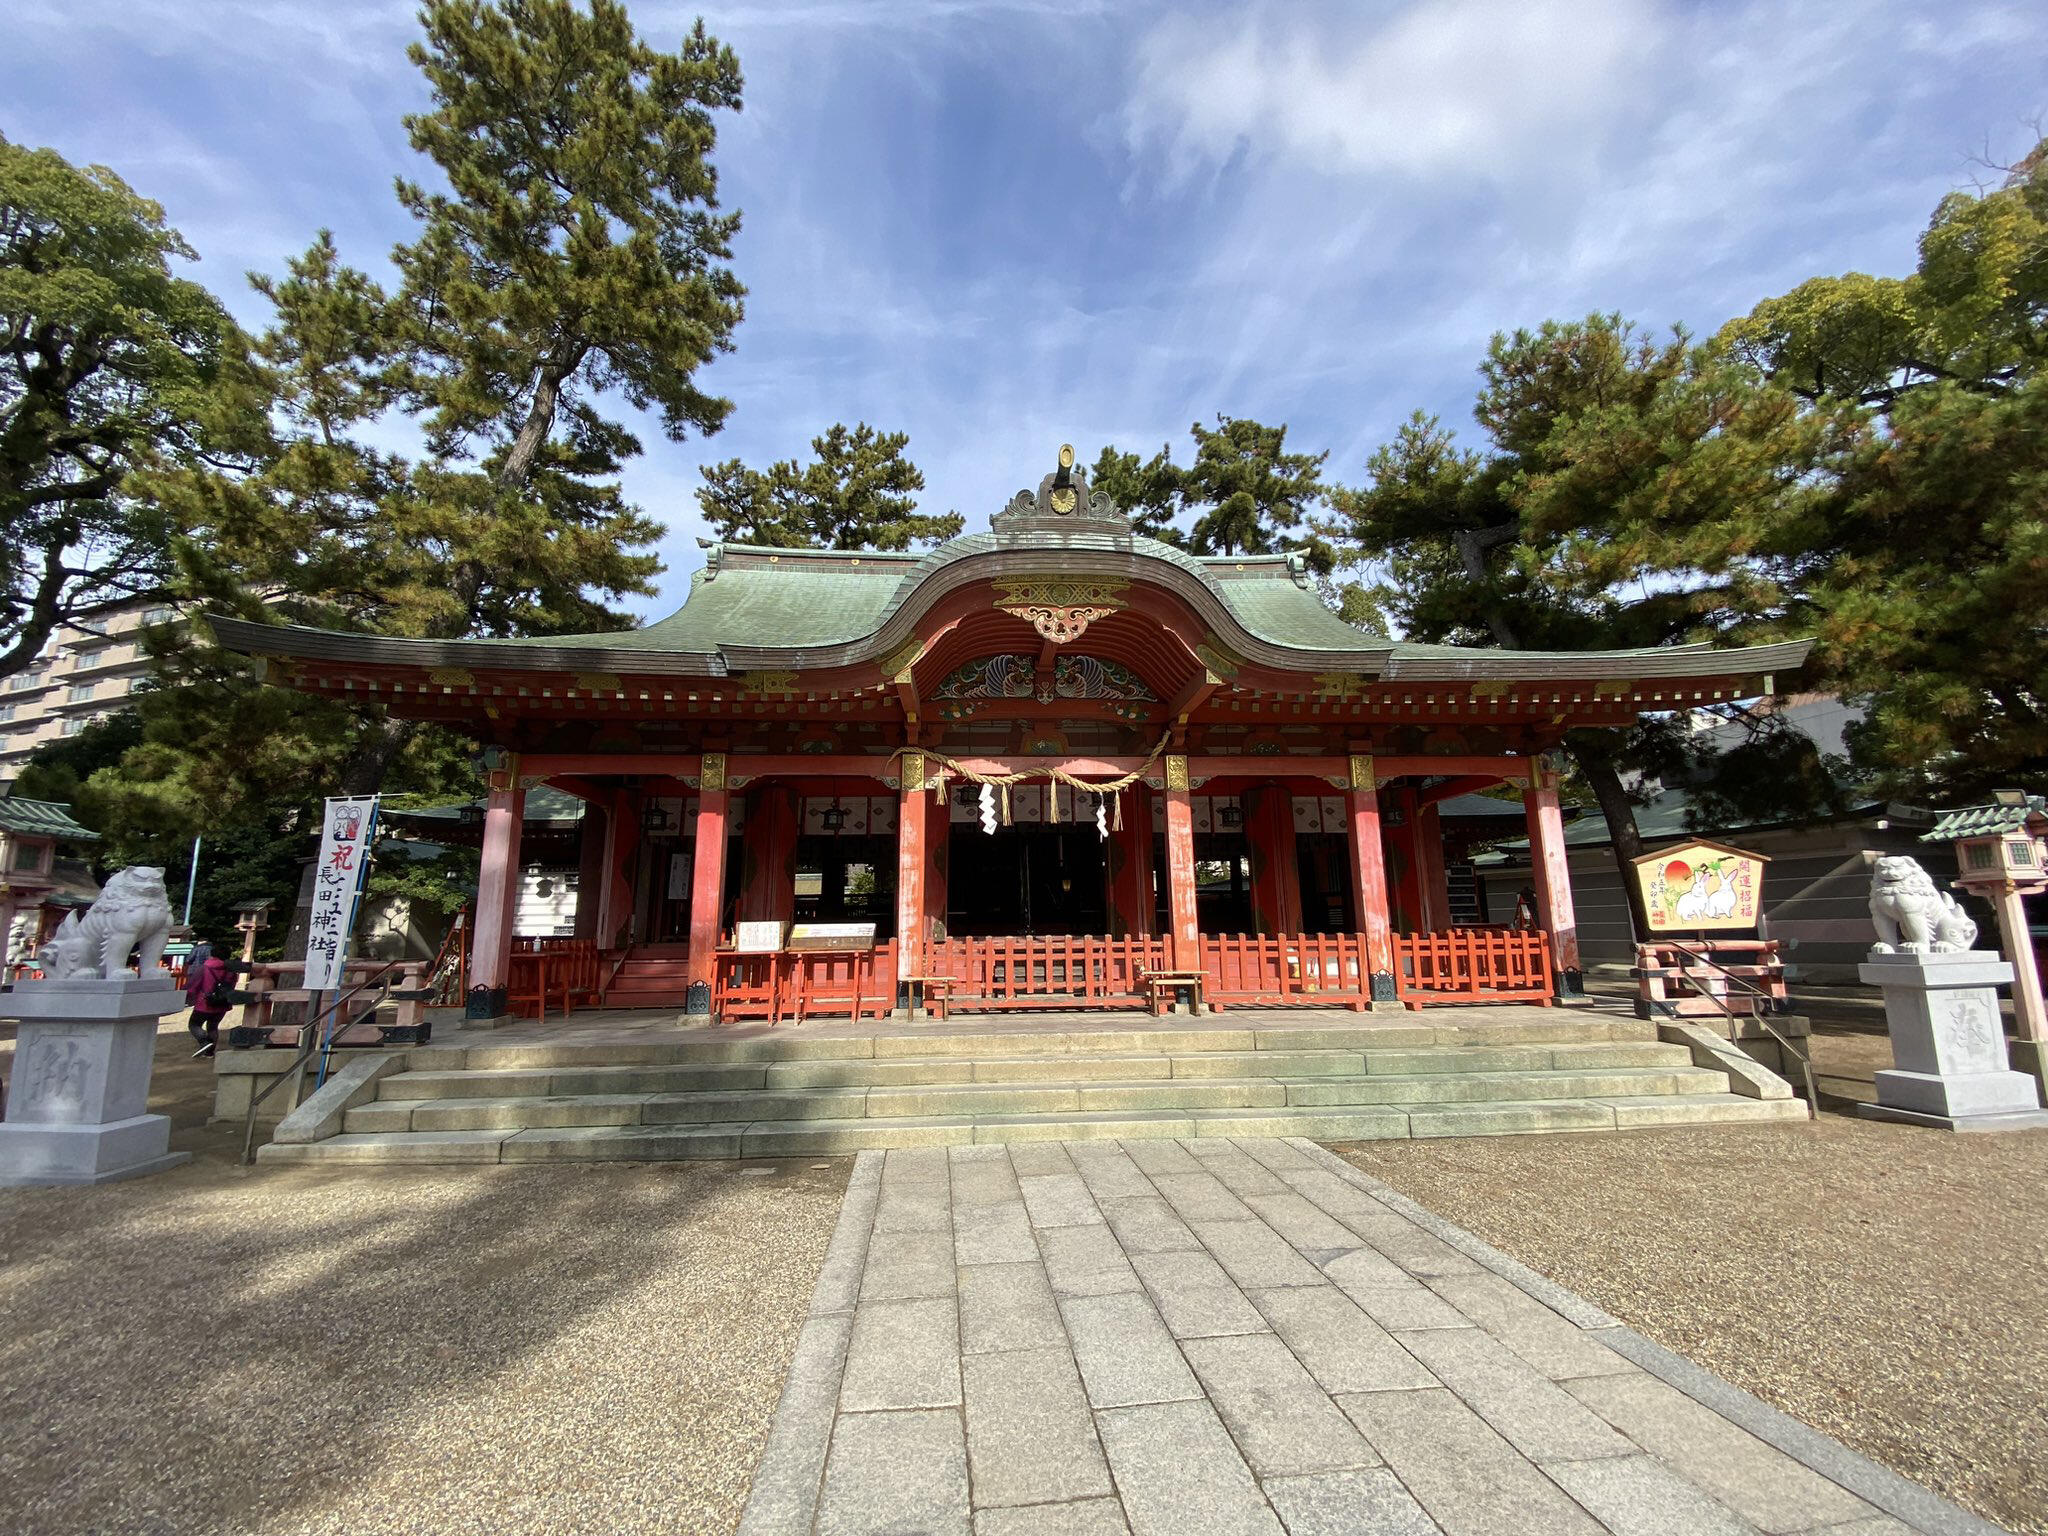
column 999, row 225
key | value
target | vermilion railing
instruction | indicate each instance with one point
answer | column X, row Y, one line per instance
column 563, row 971
column 1276, row 970
column 1045, row 971
column 1473, row 965
column 787, row 984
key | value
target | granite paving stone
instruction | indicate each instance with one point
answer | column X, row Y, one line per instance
column 1344, row 1350
column 1108, row 1171
column 1058, row 1199
column 1178, row 1472
column 1082, row 1517
column 1254, row 1254
column 1085, row 1261
column 1640, row 1496
column 1302, row 1222
column 903, row 1354
column 1282, row 1421
column 907, row 1264
column 1125, row 1353
column 1158, row 1158
column 895, row 1472
column 1007, row 1307
column 1537, row 1416
column 1201, row 1196
column 1362, row 1502
column 1087, row 1339
column 1557, row 1348
column 997, row 1233
column 1470, row 1480
column 1760, row 1482
column 1030, row 1435
column 1147, row 1225
column 1195, row 1296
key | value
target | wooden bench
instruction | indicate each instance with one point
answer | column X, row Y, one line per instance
column 1163, row 987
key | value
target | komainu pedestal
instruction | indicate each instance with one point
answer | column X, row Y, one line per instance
column 78, row 1097
column 1948, row 1044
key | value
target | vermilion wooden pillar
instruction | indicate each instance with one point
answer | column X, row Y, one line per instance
column 593, row 845
column 615, row 891
column 938, row 862
column 1180, row 867
column 913, row 859
column 1553, row 882
column 1132, row 904
column 1432, row 880
column 497, row 892
column 1397, row 846
column 1276, row 866
column 1369, row 878
column 768, row 855
column 707, row 883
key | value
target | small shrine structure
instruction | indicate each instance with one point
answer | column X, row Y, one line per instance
column 30, row 832
column 1047, row 762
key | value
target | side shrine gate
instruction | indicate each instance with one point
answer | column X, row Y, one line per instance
column 1049, row 763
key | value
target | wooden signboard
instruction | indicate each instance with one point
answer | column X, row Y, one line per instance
column 757, row 938
column 832, row 936
column 1701, row 887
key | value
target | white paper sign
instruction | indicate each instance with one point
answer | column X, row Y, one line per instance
column 345, row 840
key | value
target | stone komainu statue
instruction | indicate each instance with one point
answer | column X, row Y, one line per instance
column 132, row 913
column 1912, row 915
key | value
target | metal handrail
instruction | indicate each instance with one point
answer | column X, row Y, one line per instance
column 314, row 1038
column 1761, row 1015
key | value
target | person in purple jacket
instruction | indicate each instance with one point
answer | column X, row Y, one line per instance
column 208, row 983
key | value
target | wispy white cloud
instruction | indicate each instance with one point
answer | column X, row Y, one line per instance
column 1003, row 224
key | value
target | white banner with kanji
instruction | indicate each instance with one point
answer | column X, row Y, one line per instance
column 345, row 839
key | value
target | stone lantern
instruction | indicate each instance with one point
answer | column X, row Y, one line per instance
column 2002, row 856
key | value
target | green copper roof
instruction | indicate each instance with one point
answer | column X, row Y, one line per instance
column 42, row 818
column 1983, row 820
column 759, row 608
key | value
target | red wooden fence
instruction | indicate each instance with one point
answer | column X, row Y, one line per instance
column 854, row 983
column 559, row 970
column 1272, row 971
column 1051, row 971
column 1473, row 965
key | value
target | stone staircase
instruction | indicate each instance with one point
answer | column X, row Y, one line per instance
column 787, row 1094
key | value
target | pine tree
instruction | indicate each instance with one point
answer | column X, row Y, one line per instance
column 108, row 366
column 1935, row 574
column 1632, row 493
column 855, row 495
column 1244, row 494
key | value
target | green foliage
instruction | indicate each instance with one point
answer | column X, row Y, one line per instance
column 1632, row 492
column 59, row 770
column 108, row 363
column 1931, row 564
column 1244, row 494
column 856, row 495
column 444, row 880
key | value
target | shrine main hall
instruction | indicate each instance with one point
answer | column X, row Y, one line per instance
column 1057, row 765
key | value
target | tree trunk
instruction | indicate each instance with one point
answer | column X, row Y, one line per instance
column 1620, row 814
column 367, row 765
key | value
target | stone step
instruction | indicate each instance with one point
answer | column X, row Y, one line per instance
column 399, row 1110
column 827, row 1137
column 558, row 1073
column 1619, row 1036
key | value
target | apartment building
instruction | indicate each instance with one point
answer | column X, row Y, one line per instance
column 87, row 669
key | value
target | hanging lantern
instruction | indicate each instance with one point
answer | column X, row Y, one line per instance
column 834, row 815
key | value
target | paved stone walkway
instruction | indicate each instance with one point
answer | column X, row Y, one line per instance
column 1212, row 1336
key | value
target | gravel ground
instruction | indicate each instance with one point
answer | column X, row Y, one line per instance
column 1880, row 1282
column 434, row 1350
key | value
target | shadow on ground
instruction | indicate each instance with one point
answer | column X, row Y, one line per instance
column 431, row 1349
